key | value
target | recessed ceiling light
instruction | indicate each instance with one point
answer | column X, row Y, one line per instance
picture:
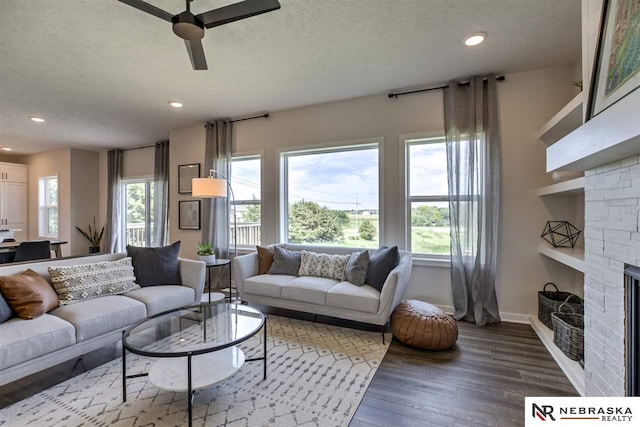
column 175, row 104
column 7, row 149
column 36, row 119
column 475, row 39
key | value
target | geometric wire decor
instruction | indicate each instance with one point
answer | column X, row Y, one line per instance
column 561, row 234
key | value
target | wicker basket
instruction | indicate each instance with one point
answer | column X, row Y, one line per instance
column 568, row 332
column 549, row 302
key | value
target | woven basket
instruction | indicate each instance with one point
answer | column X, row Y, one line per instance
column 549, row 302
column 568, row 332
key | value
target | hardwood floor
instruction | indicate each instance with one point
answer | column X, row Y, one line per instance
column 482, row 381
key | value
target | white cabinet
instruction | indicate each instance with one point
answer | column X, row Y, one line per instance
column 13, row 172
column 13, row 208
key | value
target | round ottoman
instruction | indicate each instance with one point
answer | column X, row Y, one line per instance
column 420, row 324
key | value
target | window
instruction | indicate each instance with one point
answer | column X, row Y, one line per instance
column 331, row 196
column 138, row 217
column 48, row 204
column 245, row 181
column 427, row 197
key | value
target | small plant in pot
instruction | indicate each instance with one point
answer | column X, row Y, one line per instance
column 93, row 236
column 206, row 252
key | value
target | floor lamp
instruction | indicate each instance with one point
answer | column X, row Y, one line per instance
column 213, row 188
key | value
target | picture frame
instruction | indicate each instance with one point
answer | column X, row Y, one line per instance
column 616, row 71
column 185, row 174
column 189, row 214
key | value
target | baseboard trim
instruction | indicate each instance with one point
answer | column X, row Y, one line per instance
column 504, row 316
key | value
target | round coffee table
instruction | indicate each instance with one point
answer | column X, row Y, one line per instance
column 195, row 346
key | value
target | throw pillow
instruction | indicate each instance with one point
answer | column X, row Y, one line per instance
column 156, row 266
column 5, row 310
column 381, row 263
column 75, row 283
column 285, row 261
column 28, row 294
column 323, row 265
column 265, row 259
column 356, row 271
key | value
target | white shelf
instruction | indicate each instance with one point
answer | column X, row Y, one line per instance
column 570, row 187
column 571, row 369
column 572, row 257
column 564, row 122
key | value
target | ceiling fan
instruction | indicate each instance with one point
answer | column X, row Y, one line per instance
column 191, row 27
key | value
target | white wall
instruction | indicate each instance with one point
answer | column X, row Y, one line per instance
column 84, row 203
column 526, row 101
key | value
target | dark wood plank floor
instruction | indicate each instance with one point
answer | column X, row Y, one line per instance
column 482, row 381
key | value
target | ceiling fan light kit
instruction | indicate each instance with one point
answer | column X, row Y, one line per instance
column 191, row 27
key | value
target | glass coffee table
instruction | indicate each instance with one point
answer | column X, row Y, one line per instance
column 195, row 346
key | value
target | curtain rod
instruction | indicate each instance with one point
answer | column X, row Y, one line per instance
column 138, row 148
column 397, row 94
column 261, row 116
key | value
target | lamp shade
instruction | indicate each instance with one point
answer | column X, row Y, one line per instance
column 209, row 187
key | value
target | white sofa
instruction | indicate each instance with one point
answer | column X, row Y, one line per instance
column 66, row 332
column 320, row 295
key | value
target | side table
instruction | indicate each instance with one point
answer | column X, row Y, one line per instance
column 216, row 296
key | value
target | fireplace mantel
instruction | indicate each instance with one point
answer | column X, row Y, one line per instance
column 612, row 135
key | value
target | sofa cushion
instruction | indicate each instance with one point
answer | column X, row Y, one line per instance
column 163, row 297
column 265, row 259
column 312, row 290
column 356, row 271
column 156, row 266
column 75, row 283
column 267, row 285
column 5, row 310
column 285, row 261
column 28, row 294
column 101, row 315
column 322, row 265
column 381, row 263
column 346, row 295
column 26, row 339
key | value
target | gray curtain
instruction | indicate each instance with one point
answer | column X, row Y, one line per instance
column 473, row 166
column 215, row 212
column 160, row 194
column 113, row 235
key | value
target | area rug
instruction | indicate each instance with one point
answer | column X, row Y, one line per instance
column 317, row 375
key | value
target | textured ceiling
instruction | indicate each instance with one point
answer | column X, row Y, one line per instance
column 101, row 72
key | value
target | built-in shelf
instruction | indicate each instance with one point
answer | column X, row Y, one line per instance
column 571, row 369
column 572, row 257
column 570, row 187
column 564, row 122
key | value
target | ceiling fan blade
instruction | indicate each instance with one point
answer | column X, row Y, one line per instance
column 196, row 54
column 237, row 11
column 150, row 9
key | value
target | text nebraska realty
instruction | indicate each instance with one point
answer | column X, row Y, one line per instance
column 609, row 413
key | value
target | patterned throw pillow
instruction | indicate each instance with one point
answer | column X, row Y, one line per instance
column 75, row 283
column 323, row 265
column 356, row 271
column 285, row 262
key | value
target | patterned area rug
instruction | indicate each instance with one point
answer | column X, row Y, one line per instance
column 316, row 376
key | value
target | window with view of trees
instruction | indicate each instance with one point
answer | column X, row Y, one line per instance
column 138, row 202
column 245, row 181
column 427, row 197
column 48, row 201
column 331, row 196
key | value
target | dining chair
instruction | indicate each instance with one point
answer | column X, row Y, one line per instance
column 33, row 250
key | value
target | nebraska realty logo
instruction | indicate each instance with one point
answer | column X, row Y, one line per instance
column 582, row 411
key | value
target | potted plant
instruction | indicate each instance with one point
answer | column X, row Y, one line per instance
column 206, row 252
column 93, row 236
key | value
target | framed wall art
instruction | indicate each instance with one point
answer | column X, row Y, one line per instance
column 189, row 214
column 185, row 174
column 616, row 70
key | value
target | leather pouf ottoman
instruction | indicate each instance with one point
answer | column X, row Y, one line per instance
column 423, row 325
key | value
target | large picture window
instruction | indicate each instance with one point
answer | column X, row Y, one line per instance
column 246, row 184
column 427, row 197
column 331, row 196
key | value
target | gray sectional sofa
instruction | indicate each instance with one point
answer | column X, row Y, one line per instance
column 69, row 331
column 321, row 295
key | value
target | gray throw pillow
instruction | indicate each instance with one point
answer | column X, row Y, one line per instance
column 156, row 266
column 381, row 263
column 285, row 261
column 5, row 310
column 357, row 265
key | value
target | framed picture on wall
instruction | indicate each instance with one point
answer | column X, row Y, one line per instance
column 185, row 174
column 616, row 69
column 189, row 214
